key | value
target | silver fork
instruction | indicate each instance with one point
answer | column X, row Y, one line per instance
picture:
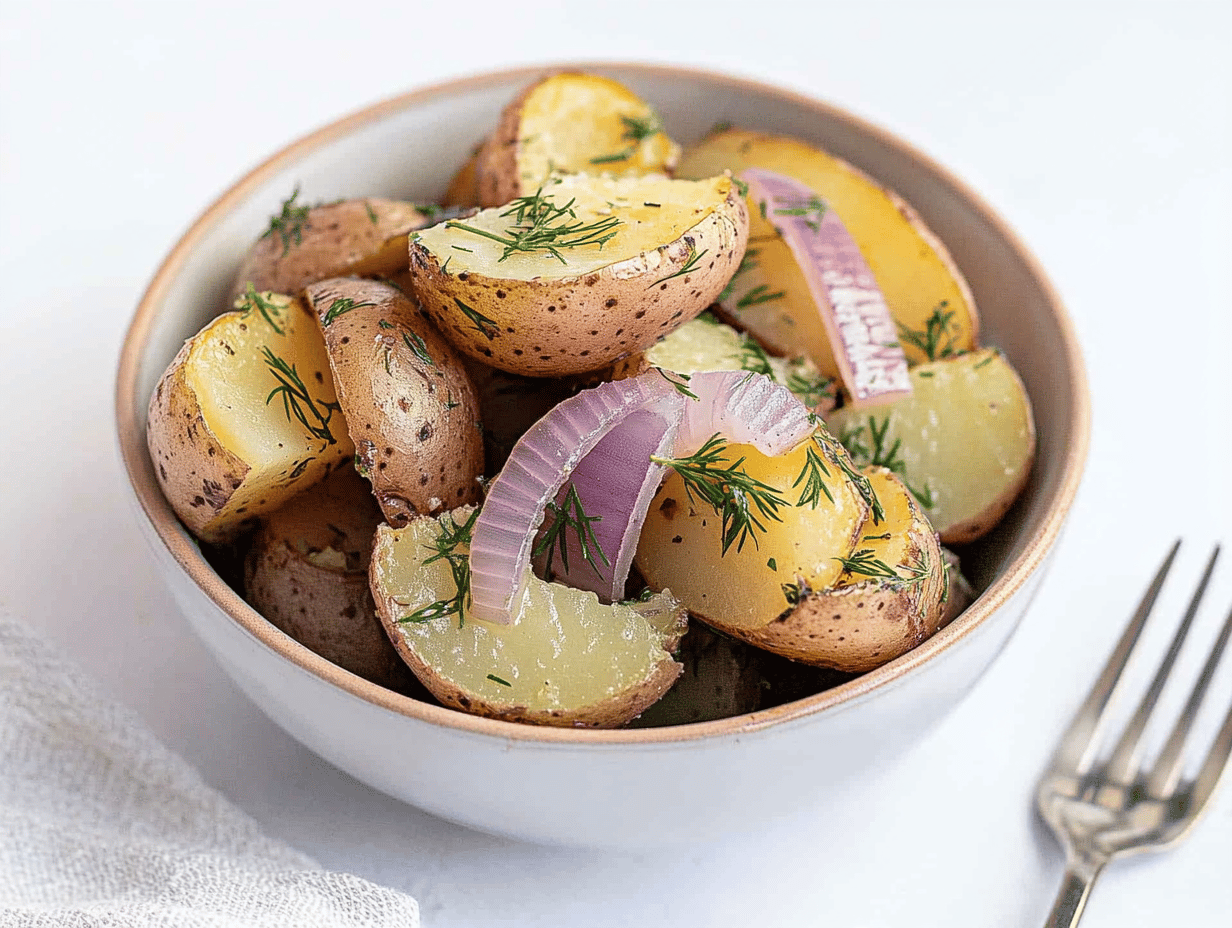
column 1106, row 808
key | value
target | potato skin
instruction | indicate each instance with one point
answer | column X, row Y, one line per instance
column 857, row 625
column 572, row 325
column 197, row 474
column 352, row 237
column 307, row 572
column 411, row 408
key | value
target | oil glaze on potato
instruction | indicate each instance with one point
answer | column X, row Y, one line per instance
column 351, row 238
column 307, row 572
column 246, row 417
column 571, row 123
column 963, row 441
column 769, row 294
column 886, row 601
column 565, row 660
column 644, row 255
column 681, row 542
column 410, row 405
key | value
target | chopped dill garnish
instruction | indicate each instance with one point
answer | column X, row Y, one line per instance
column 681, row 386
column 812, row 210
column 540, row 225
column 758, row 295
column 940, row 334
column 813, row 475
column 418, row 347
column 372, row 216
column 569, row 516
column 340, row 307
column 297, row 402
column 445, row 547
column 267, row 309
column 481, row 322
column 747, row 263
column 812, row 391
column 753, row 357
column 693, row 257
column 290, row 223
column 495, row 679
column 728, row 490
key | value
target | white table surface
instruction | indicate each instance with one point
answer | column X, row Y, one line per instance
column 1101, row 131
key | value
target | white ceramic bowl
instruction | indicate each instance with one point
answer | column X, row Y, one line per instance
column 562, row 786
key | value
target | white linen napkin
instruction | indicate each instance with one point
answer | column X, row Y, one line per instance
column 101, row 824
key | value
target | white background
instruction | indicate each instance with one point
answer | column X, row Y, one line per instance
column 1101, row 131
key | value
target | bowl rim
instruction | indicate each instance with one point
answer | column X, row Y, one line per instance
column 183, row 549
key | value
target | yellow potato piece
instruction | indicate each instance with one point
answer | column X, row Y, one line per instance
column 963, row 441
column 769, row 295
column 681, row 545
column 566, row 659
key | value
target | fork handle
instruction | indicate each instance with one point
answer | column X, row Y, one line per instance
column 1075, row 888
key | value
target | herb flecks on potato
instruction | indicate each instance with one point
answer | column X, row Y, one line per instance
column 246, row 417
column 350, row 238
column 565, row 660
column 410, row 405
column 581, row 273
column 963, row 441
column 769, row 294
column 571, row 123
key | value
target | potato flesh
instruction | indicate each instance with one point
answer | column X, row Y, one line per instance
column 570, row 120
column 565, row 650
column 232, row 380
column 642, row 228
column 965, row 435
column 681, row 543
column 705, row 344
column 912, row 268
column 886, row 539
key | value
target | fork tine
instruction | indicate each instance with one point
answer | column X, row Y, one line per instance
column 1122, row 764
column 1167, row 770
column 1076, row 748
column 1212, row 768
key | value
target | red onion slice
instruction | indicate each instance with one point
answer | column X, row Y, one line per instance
column 746, row 408
column 542, row 462
column 853, row 310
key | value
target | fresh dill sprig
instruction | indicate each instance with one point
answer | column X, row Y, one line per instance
column 867, row 564
column 813, row 475
column 290, row 223
column 638, row 128
column 740, row 500
column 758, row 295
column 540, row 225
column 812, row 210
column 795, row 593
column 681, row 385
column 862, row 484
column 940, row 334
column 877, row 453
column 296, row 400
column 569, row 516
column 445, row 547
column 753, row 357
column 341, row 307
column 418, row 347
column 486, row 326
column 267, row 309
column 747, row 263
column 691, row 262
column 812, row 391
column 372, row 216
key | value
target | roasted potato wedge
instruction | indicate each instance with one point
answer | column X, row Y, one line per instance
column 571, row 123
column 307, row 572
column 749, row 585
column 923, row 287
column 351, row 238
column 246, row 417
column 411, row 409
column 963, row 440
column 887, row 599
column 565, row 660
column 463, row 189
column 590, row 270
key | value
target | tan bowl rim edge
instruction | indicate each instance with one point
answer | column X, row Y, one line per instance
column 183, row 549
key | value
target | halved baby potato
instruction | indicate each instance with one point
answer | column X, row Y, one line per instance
column 565, row 660
column 963, row 441
column 584, row 272
column 246, row 417
column 571, row 123
column 887, row 599
column 307, row 572
column 706, row 344
column 350, row 238
column 749, row 586
column 923, row 287
column 410, row 407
